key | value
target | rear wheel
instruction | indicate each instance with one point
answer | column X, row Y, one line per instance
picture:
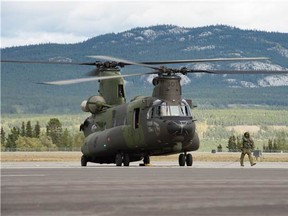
column 146, row 159
column 84, row 160
column 118, row 159
column 126, row 160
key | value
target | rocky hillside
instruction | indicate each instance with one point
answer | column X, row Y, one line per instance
column 21, row 94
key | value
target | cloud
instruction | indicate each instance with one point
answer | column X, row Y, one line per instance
column 28, row 22
column 23, row 38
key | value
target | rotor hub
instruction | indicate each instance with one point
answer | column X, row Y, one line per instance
column 109, row 64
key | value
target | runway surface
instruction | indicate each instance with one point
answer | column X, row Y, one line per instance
column 162, row 189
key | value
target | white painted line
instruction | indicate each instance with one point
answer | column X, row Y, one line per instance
column 20, row 175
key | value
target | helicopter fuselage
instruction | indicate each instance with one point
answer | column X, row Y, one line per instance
column 157, row 125
column 137, row 129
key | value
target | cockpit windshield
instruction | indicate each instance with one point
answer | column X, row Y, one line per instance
column 162, row 109
column 166, row 110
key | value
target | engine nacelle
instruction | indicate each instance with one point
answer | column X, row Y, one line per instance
column 83, row 106
column 94, row 104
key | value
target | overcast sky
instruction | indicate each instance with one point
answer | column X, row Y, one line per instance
column 34, row 22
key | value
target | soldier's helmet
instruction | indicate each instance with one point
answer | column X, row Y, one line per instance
column 246, row 134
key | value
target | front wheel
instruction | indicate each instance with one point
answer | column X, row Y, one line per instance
column 189, row 160
column 181, row 160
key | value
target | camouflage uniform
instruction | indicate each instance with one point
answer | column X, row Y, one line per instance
column 247, row 146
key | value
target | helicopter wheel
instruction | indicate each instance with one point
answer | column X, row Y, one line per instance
column 126, row 160
column 182, row 160
column 146, row 160
column 189, row 160
column 84, row 160
column 118, row 159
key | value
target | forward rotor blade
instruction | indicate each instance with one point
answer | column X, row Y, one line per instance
column 89, row 79
column 48, row 62
column 124, row 61
column 127, row 62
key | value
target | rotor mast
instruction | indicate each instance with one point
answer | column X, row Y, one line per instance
column 112, row 90
column 167, row 88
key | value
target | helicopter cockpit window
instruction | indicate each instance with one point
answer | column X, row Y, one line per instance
column 121, row 91
column 163, row 109
column 175, row 110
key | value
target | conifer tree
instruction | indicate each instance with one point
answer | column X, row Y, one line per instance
column 270, row 145
column 232, row 147
column 23, row 130
column 54, row 130
column 29, row 132
column 12, row 138
column 66, row 140
column 3, row 137
column 37, row 130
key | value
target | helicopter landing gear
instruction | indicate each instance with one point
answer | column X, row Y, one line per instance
column 122, row 158
column 189, row 160
column 126, row 160
column 146, row 160
column 84, row 160
column 181, row 160
column 118, row 159
column 185, row 158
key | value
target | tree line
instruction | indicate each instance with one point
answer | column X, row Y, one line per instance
column 54, row 137
column 279, row 143
column 28, row 137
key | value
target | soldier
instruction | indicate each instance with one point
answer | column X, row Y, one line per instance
column 247, row 146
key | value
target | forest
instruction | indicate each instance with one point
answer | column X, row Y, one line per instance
column 32, row 138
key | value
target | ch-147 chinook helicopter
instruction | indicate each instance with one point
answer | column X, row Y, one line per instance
column 162, row 124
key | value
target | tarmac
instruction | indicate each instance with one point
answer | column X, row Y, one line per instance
column 206, row 188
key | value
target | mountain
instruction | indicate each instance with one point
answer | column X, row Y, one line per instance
column 20, row 94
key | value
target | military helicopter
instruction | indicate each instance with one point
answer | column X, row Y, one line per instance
column 121, row 132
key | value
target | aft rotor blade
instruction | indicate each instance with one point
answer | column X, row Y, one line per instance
column 48, row 62
column 89, row 79
column 124, row 61
column 204, row 60
column 240, row 71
